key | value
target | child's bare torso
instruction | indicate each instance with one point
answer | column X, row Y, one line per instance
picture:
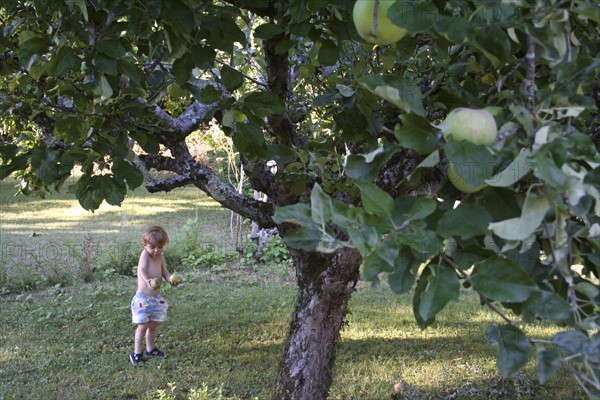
column 149, row 268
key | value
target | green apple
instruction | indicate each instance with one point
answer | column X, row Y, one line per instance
column 386, row 32
column 175, row 278
column 176, row 90
column 475, row 126
column 154, row 284
column 459, row 181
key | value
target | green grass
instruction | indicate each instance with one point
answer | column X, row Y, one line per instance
column 69, row 339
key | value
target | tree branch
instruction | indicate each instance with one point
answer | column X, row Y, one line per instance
column 166, row 185
column 529, row 82
column 188, row 121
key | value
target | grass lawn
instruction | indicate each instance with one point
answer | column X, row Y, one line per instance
column 66, row 336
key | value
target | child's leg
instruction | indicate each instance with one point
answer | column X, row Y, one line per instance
column 140, row 332
column 151, row 335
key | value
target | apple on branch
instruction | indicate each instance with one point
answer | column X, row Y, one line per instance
column 473, row 125
column 374, row 26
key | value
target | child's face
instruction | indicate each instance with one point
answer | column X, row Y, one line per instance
column 153, row 249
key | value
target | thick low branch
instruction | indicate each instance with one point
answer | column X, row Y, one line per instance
column 188, row 121
column 158, row 162
column 190, row 171
column 166, row 185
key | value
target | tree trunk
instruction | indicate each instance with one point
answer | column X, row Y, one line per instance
column 325, row 284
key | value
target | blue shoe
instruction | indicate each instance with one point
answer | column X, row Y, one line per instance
column 136, row 359
column 154, row 353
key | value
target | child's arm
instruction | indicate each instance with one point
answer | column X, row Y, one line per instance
column 167, row 275
column 143, row 271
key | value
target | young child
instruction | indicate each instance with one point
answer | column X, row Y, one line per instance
column 148, row 307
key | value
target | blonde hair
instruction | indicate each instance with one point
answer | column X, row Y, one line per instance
column 155, row 235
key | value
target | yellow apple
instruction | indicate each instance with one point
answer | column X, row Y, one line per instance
column 386, row 32
column 154, row 284
column 473, row 125
column 459, row 181
column 175, row 278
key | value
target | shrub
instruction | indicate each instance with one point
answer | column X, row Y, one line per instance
column 122, row 259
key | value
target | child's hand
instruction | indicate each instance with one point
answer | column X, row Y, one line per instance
column 174, row 279
column 154, row 284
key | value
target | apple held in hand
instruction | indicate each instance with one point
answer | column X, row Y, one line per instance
column 386, row 32
column 475, row 126
column 175, row 279
column 154, row 284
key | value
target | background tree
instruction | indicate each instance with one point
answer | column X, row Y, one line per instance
column 116, row 87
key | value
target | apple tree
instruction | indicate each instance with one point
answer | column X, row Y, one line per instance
column 376, row 176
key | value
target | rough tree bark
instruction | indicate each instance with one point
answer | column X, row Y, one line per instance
column 325, row 284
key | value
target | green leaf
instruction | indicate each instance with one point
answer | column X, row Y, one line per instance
column 208, row 94
column 375, row 200
column 320, row 205
column 249, row 138
column 503, row 280
column 381, row 259
column 401, row 92
column 124, row 171
column 89, row 193
column 110, row 47
column 424, row 242
column 415, row 132
column 571, row 342
column 365, row 167
column 43, row 161
column 178, row 14
column 513, row 348
column 148, row 143
column 63, row 62
column 520, row 167
column 268, row 31
column 281, row 154
column 299, row 214
column 82, row 7
column 548, row 360
column 134, row 73
column 401, row 280
column 455, row 29
column 415, row 18
column 69, row 127
column 421, row 208
column 473, row 163
column 113, row 193
column 30, row 44
column 494, row 43
column 262, row 104
column 437, row 286
column 232, row 78
column 103, row 88
column 203, row 56
column 329, row 53
column 546, row 305
column 312, row 239
column 182, row 68
column 465, row 221
column 533, row 213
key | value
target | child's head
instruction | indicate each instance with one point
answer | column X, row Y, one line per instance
column 155, row 235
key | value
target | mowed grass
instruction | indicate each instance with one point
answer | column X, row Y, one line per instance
column 71, row 339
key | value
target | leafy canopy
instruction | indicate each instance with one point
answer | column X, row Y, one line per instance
column 352, row 128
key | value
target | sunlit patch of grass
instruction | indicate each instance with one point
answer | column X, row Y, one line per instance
column 383, row 346
column 40, row 237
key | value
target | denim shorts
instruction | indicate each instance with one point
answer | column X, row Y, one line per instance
column 145, row 308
